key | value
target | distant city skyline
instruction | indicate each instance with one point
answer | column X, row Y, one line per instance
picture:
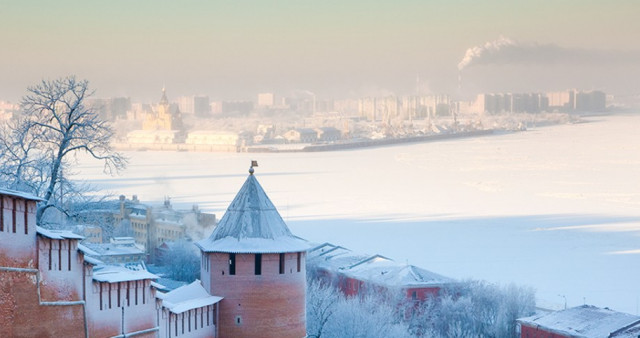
column 332, row 49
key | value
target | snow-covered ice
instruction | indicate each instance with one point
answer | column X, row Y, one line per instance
column 556, row 208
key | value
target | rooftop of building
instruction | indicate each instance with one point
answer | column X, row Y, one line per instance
column 376, row 268
column 252, row 224
column 118, row 247
column 20, row 194
column 113, row 273
column 582, row 321
column 629, row 331
column 187, row 297
column 167, row 284
column 384, row 271
column 57, row 234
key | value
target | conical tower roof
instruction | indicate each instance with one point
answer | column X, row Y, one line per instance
column 252, row 224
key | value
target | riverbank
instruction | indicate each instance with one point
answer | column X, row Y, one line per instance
column 297, row 147
column 369, row 143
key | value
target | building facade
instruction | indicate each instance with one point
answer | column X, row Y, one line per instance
column 152, row 226
column 163, row 125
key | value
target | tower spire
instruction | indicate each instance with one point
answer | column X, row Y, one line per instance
column 163, row 99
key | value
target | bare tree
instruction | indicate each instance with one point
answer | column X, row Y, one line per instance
column 55, row 126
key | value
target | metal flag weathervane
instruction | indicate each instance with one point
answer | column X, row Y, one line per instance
column 254, row 163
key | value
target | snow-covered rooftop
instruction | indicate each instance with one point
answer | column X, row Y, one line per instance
column 57, row 234
column 20, row 194
column 167, row 284
column 92, row 261
column 110, row 249
column 374, row 268
column 187, row 297
column 252, row 224
column 630, row 331
column 121, row 273
column 333, row 257
column 87, row 251
column 385, row 271
column 582, row 321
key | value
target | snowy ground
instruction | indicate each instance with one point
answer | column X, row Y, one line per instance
column 556, row 208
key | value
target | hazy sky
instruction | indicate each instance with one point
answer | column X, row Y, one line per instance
column 234, row 49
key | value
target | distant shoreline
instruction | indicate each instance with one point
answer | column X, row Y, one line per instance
column 361, row 143
column 296, row 148
column 374, row 143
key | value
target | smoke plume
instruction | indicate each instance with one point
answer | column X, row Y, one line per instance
column 508, row 51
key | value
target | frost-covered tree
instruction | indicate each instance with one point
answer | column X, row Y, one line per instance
column 322, row 302
column 474, row 309
column 181, row 262
column 22, row 165
column 368, row 316
column 38, row 148
column 331, row 314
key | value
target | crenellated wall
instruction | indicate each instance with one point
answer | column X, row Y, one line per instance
column 17, row 232
column 121, row 307
column 46, row 290
column 194, row 323
column 60, row 265
column 30, row 305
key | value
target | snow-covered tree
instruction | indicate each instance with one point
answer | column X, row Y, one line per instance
column 22, row 165
column 474, row 309
column 331, row 314
column 182, row 261
column 38, row 147
column 322, row 302
column 368, row 316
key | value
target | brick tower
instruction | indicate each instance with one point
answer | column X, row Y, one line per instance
column 254, row 262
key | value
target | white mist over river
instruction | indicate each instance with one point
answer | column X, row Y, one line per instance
column 556, row 208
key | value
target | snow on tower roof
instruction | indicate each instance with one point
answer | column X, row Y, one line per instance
column 582, row 321
column 187, row 297
column 252, row 224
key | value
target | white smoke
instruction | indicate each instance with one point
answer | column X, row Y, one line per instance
column 479, row 52
column 505, row 50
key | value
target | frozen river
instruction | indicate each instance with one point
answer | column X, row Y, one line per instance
column 555, row 208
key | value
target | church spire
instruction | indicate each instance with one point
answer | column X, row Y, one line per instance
column 163, row 100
